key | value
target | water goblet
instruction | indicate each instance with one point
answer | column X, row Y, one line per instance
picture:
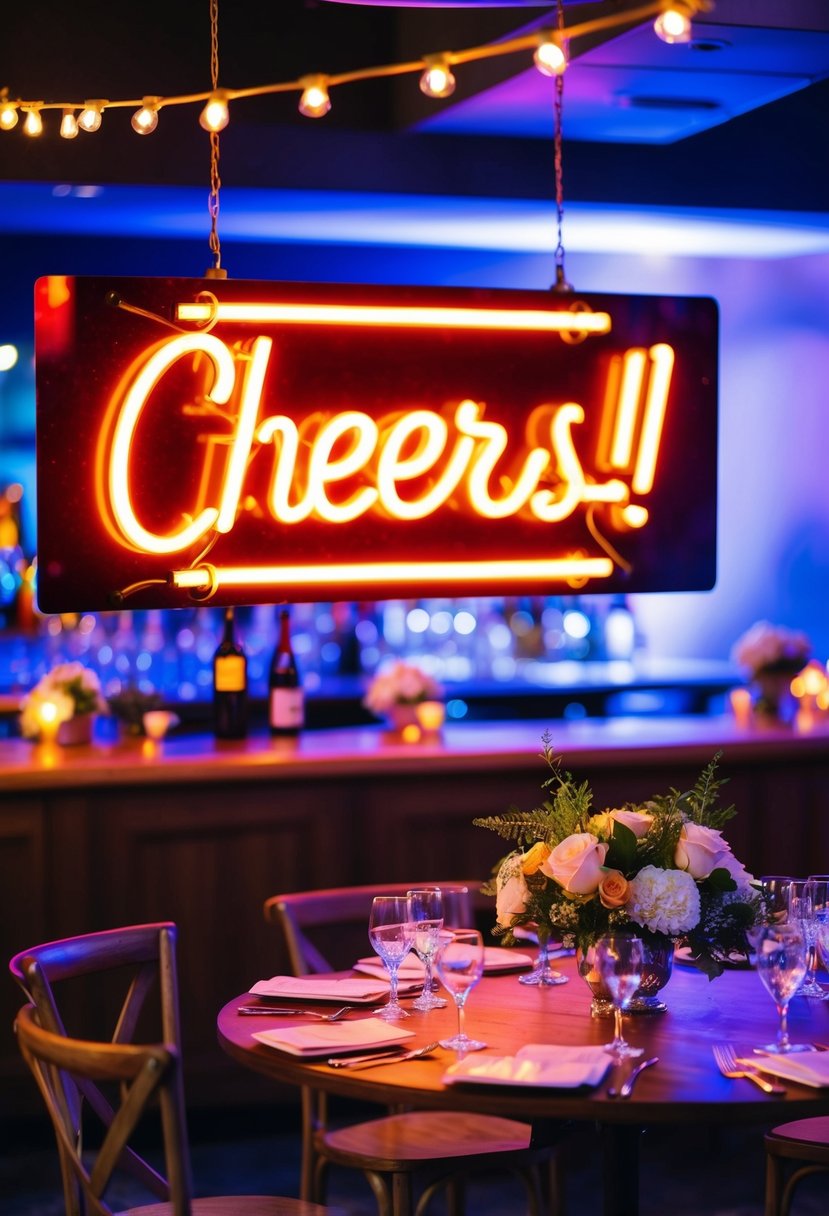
column 426, row 905
column 808, row 904
column 781, row 965
column 391, row 933
column 460, row 964
column 620, row 959
column 775, row 889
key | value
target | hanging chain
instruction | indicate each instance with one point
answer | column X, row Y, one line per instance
column 215, row 180
column 561, row 283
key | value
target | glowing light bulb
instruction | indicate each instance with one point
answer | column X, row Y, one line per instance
column 215, row 116
column 674, row 24
column 145, row 120
column 314, row 102
column 8, row 358
column 34, row 123
column 437, row 80
column 8, row 115
column 68, row 125
column 90, row 116
column 550, row 57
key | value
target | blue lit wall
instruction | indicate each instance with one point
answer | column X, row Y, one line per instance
column 774, row 399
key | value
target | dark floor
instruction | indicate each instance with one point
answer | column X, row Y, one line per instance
column 684, row 1172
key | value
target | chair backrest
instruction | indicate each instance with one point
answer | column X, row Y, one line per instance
column 113, row 1082
column 335, row 920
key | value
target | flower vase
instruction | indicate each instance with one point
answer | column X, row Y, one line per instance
column 400, row 716
column 75, row 730
column 659, row 961
column 772, row 696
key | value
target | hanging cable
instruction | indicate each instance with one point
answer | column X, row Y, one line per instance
column 215, row 271
column 561, row 284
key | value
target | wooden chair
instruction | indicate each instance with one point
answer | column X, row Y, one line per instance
column 803, row 1145
column 441, row 1147
column 121, row 1080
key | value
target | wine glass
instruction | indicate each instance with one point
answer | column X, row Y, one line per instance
column 543, row 974
column 426, row 905
column 781, row 965
column 460, row 964
column 619, row 961
column 391, row 933
column 775, row 888
column 807, row 904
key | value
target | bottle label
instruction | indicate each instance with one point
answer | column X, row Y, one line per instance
column 287, row 708
column 229, row 673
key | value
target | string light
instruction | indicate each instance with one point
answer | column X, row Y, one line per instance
column 145, row 120
column 34, row 123
column 672, row 20
column 8, row 113
column 90, row 117
column 215, row 116
column 674, row 23
column 315, row 101
column 550, row 55
column 437, row 80
column 68, row 125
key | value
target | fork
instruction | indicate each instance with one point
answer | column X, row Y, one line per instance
column 275, row 1011
column 728, row 1066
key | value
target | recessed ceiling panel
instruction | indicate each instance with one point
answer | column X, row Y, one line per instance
column 637, row 89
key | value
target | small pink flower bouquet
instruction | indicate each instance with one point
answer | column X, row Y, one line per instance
column 767, row 648
column 662, row 869
column 400, row 683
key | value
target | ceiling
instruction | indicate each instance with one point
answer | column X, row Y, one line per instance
column 734, row 124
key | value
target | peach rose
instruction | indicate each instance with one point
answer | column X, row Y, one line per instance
column 639, row 822
column 614, row 889
column 699, row 850
column 576, row 863
column 535, row 857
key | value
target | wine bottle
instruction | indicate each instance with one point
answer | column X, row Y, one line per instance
column 287, row 705
column 230, row 685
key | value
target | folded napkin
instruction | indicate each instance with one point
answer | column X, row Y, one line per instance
column 331, row 1038
column 320, row 988
column 537, row 1064
column 805, row 1067
column 496, row 958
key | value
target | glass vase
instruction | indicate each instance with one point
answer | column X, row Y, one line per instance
column 659, row 962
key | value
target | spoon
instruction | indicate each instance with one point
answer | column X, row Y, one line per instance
column 271, row 1010
column 627, row 1087
column 384, row 1057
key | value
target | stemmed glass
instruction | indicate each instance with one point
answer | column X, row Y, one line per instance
column 460, row 964
column 426, row 906
column 619, row 961
column 807, row 905
column 543, row 974
column 391, row 933
column 775, row 887
column 781, row 965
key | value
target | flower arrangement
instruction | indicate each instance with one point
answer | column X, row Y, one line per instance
column 662, row 869
column 400, row 683
column 767, row 648
column 71, row 688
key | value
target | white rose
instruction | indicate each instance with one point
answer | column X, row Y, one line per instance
column 511, row 895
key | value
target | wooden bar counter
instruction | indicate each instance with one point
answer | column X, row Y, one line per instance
column 202, row 832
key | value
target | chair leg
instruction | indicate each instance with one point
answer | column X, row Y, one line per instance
column 379, row 1187
column 774, row 1185
column 796, row 1178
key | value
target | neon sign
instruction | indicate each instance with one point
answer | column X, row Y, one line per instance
column 258, row 442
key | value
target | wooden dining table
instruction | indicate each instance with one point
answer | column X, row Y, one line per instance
column 683, row 1088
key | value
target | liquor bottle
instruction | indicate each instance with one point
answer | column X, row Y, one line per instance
column 287, row 705
column 230, row 686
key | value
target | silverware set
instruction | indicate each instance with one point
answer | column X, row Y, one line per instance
column 279, row 1011
column 392, row 1055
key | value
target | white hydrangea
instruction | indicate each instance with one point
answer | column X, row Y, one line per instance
column 664, row 901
